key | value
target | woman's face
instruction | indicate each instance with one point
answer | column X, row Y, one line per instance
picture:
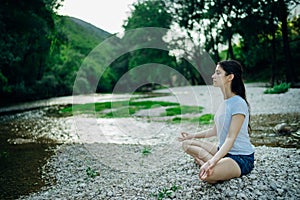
column 219, row 77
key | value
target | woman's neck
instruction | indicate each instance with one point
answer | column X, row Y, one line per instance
column 227, row 93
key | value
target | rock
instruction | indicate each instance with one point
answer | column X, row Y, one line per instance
column 242, row 196
column 282, row 129
column 258, row 193
column 18, row 141
column 252, row 176
column 296, row 134
column 280, row 191
column 273, row 179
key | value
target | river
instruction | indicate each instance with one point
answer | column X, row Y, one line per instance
column 30, row 133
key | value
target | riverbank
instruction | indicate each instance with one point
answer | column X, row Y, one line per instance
column 151, row 162
column 276, row 175
column 95, row 170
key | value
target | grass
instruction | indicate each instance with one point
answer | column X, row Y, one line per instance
column 166, row 192
column 92, row 173
column 202, row 120
column 177, row 110
column 279, row 88
column 146, row 151
column 127, row 108
column 121, row 109
column 205, row 119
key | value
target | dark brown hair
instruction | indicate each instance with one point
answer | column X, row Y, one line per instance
column 237, row 85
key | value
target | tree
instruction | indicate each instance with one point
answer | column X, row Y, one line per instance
column 26, row 29
column 257, row 23
column 285, row 6
column 148, row 13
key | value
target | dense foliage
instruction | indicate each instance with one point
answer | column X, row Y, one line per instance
column 41, row 52
column 26, row 33
column 262, row 34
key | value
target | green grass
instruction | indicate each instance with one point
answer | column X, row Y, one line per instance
column 118, row 109
column 92, row 173
column 182, row 110
column 166, row 192
column 277, row 89
column 128, row 108
column 206, row 119
column 146, row 151
column 202, row 120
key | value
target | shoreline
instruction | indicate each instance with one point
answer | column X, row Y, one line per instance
column 273, row 177
column 276, row 174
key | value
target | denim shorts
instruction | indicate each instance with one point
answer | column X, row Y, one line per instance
column 245, row 162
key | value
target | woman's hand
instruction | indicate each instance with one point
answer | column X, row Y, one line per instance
column 184, row 136
column 206, row 169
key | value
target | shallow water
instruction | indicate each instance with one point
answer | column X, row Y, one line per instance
column 20, row 168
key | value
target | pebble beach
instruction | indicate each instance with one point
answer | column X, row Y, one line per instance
column 95, row 170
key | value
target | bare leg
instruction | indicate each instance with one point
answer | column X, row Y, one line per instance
column 225, row 169
column 201, row 151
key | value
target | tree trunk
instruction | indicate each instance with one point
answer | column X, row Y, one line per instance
column 274, row 61
column 216, row 50
column 230, row 48
column 273, row 47
column 286, row 47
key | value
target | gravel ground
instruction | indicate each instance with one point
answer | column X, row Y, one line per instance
column 128, row 172
column 276, row 176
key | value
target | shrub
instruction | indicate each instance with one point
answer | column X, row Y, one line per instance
column 277, row 89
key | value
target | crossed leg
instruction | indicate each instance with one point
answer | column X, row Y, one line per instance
column 225, row 169
column 202, row 151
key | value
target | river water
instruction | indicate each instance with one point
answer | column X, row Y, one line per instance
column 29, row 134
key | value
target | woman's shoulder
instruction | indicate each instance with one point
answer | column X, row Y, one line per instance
column 238, row 101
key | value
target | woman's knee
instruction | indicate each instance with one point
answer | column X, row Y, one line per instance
column 225, row 169
column 186, row 144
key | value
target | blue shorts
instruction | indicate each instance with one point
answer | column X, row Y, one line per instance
column 245, row 162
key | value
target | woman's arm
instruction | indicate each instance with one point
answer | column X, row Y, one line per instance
column 234, row 129
column 203, row 134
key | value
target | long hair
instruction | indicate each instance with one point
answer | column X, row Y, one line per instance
column 237, row 85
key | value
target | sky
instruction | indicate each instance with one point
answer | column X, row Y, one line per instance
column 107, row 15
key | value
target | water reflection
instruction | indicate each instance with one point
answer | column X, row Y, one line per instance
column 20, row 168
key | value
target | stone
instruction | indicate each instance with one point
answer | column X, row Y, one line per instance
column 282, row 129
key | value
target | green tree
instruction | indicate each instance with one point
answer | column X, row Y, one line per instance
column 257, row 23
column 285, row 6
column 148, row 13
column 26, row 28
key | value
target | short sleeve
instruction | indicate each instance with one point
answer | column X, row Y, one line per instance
column 239, row 107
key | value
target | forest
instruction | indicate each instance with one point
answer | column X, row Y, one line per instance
column 41, row 51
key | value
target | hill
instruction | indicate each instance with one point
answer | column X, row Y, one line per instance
column 81, row 35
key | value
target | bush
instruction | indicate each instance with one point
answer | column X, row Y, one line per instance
column 277, row 89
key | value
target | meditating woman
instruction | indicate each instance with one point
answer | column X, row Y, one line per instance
column 234, row 154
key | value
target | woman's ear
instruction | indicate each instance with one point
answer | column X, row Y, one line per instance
column 230, row 77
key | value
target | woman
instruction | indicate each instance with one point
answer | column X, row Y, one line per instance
column 234, row 155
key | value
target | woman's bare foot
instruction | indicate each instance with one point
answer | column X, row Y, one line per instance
column 198, row 161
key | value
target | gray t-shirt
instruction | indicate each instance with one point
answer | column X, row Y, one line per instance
column 228, row 108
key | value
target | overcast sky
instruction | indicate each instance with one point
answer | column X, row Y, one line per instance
column 107, row 15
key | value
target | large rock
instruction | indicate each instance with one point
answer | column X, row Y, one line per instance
column 283, row 129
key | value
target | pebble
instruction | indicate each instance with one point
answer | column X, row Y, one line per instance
column 275, row 175
column 72, row 181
